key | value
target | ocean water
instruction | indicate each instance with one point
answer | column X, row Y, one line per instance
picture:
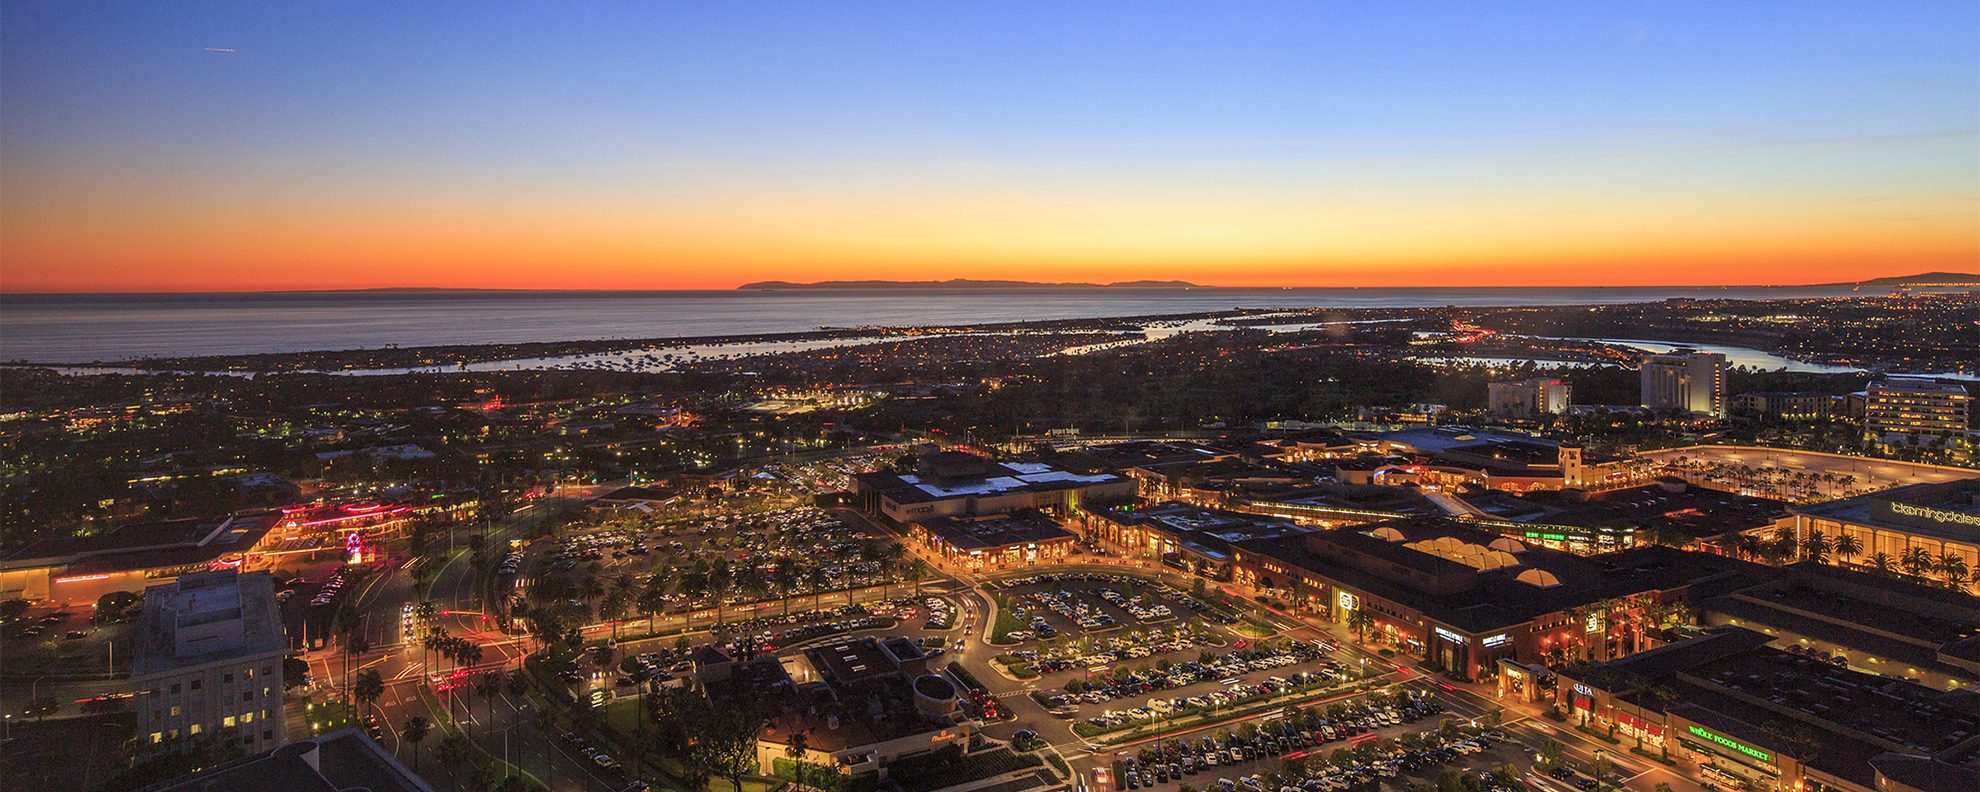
column 108, row 328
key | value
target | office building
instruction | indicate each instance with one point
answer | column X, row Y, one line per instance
column 208, row 665
column 1691, row 382
column 1528, row 398
column 1917, row 409
column 1786, row 405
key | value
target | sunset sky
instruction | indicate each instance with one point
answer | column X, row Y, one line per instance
column 269, row 145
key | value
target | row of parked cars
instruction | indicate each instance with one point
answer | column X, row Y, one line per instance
column 1119, row 648
column 510, row 563
column 1173, row 594
column 328, row 593
column 35, row 629
column 772, row 641
column 1234, row 692
column 1283, row 738
column 601, row 759
column 1069, row 607
column 1138, row 606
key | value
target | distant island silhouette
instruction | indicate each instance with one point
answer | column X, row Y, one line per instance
column 966, row 283
column 1922, row 279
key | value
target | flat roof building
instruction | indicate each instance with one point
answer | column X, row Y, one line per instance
column 1528, row 398
column 131, row 557
column 1755, row 715
column 1464, row 599
column 1913, row 530
column 341, row 761
column 1182, row 536
column 1683, row 381
column 1917, row 410
column 862, row 703
column 1869, row 622
column 208, row 664
column 952, row 484
column 1016, row 539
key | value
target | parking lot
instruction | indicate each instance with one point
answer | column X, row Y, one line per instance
column 696, row 563
column 1390, row 739
column 1073, row 605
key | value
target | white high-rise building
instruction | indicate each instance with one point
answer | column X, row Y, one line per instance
column 1694, row 382
column 1528, row 398
column 208, row 666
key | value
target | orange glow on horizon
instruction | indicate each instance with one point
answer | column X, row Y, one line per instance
column 94, row 239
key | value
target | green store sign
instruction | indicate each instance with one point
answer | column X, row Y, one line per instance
column 1548, row 536
column 1728, row 742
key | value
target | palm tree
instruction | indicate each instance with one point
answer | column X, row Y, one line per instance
column 800, row 744
column 354, row 646
column 1360, row 622
column 1882, row 563
column 415, row 731
column 489, row 685
column 1916, row 561
column 1847, row 546
column 1746, row 545
column 915, row 571
column 1954, row 569
column 1816, row 547
column 368, row 686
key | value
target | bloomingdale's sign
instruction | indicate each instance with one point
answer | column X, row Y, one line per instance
column 1928, row 514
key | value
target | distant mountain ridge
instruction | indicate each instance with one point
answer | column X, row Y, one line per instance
column 964, row 283
column 1922, row 279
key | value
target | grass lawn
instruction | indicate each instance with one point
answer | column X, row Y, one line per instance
column 1006, row 620
column 1250, row 628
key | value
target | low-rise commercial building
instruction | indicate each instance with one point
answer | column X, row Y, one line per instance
column 1756, row 716
column 1465, row 599
column 1869, row 622
column 1184, row 537
column 1929, row 531
column 81, row 569
column 952, row 484
column 995, row 542
column 862, row 704
column 1668, row 512
column 341, row 761
column 1459, row 456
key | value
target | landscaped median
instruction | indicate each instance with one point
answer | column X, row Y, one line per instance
column 1016, row 668
column 1007, row 622
column 478, row 759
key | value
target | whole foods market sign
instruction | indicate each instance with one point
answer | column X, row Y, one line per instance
column 1719, row 739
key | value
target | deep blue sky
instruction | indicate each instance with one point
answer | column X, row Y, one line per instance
column 466, row 143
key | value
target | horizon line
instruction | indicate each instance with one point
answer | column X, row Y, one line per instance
column 931, row 286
